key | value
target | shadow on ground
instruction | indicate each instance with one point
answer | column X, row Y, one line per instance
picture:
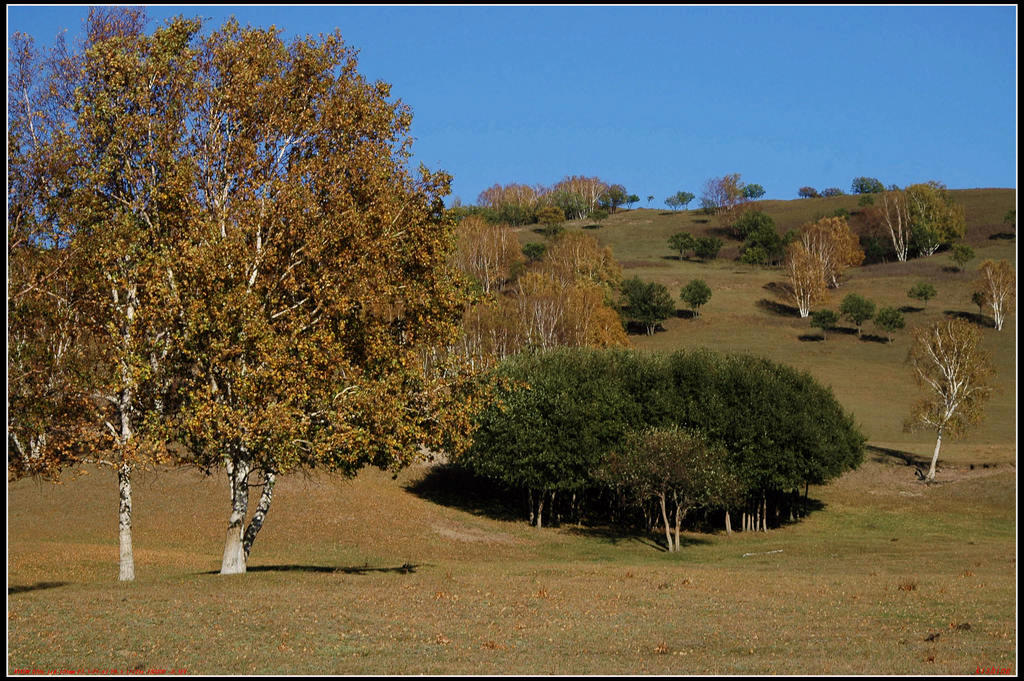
column 618, row 535
column 405, row 569
column 973, row 318
column 453, row 486
column 778, row 308
column 20, row 589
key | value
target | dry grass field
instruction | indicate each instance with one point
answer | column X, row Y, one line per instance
column 373, row 576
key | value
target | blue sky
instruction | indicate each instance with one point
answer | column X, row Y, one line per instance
column 662, row 98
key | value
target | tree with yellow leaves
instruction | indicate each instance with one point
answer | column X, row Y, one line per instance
column 806, row 277
column 950, row 365
column 99, row 177
column 831, row 240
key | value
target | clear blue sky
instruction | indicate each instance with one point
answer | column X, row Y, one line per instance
column 661, row 98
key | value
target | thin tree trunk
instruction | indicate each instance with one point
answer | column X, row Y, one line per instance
column 664, row 517
column 679, row 521
column 233, row 562
column 124, row 523
column 935, row 458
column 540, row 507
column 261, row 513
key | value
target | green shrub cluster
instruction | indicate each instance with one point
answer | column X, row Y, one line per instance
column 560, row 415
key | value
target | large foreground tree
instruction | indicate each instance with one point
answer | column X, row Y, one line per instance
column 256, row 272
column 320, row 275
column 99, row 177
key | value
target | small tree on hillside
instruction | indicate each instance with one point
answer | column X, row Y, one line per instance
column 752, row 192
column 889, row 319
column 866, row 185
column 649, row 303
column 684, row 198
column 953, row 370
column 997, row 285
column 857, row 309
column 961, row 254
column 922, row 291
column 824, row 319
column 707, row 247
column 534, row 251
column 679, row 468
column 551, row 217
column 682, row 242
column 696, row 294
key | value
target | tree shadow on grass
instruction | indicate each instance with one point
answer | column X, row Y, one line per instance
column 886, row 455
column 616, row 535
column 778, row 308
column 979, row 320
column 404, row 569
column 871, row 338
column 20, row 589
column 454, row 486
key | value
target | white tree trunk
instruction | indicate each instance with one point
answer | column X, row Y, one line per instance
column 260, row 514
column 935, row 458
column 664, row 518
column 233, row 562
column 124, row 523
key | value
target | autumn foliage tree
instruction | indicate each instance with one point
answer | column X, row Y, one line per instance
column 486, row 251
column 251, row 268
column 318, row 274
column 949, row 364
column 100, row 169
column 834, row 244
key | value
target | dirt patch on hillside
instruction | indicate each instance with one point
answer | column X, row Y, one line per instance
column 473, row 535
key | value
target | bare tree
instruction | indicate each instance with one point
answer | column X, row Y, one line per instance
column 806, row 277
column 997, row 286
column 895, row 214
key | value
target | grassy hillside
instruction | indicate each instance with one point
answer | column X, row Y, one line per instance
column 374, row 576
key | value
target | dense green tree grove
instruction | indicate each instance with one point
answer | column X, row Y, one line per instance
column 561, row 414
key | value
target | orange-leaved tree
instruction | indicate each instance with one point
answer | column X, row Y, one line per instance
column 321, row 295
column 834, row 244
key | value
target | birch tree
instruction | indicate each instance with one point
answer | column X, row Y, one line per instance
column 894, row 211
column 320, row 277
column 106, row 170
column 949, row 364
column 997, row 286
column 806, row 277
column 834, row 244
